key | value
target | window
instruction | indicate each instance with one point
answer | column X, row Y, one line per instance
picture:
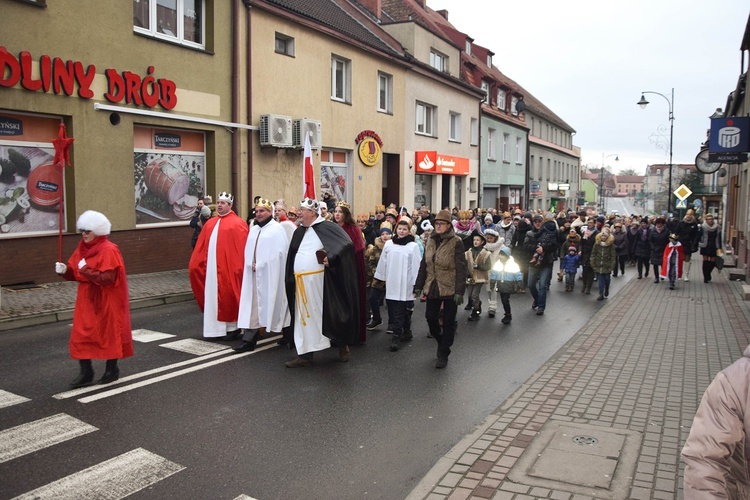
column 489, row 59
column 501, row 99
column 491, row 144
column 385, row 93
column 341, row 77
column 426, row 119
column 506, row 153
column 284, row 45
column 438, row 61
column 455, row 127
column 179, row 21
column 474, row 140
column 519, row 150
column 513, row 102
column 335, row 174
column 468, row 47
column 486, row 89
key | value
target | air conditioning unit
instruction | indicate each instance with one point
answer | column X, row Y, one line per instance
column 276, row 131
column 312, row 128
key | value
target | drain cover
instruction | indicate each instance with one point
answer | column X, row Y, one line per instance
column 585, row 440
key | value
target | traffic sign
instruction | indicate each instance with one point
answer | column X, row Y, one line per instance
column 681, row 204
column 682, row 192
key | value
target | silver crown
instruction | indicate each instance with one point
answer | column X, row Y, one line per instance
column 309, row 204
column 226, row 197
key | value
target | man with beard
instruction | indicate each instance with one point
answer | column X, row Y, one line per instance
column 541, row 243
column 321, row 264
column 263, row 302
column 442, row 276
column 215, row 270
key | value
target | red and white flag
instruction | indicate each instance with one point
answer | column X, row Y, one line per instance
column 308, row 174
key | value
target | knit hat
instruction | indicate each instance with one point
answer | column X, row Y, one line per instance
column 537, row 217
column 443, row 215
column 601, row 219
column 572, row 248
column 488, row 217
column 527, row 215
column 205, row 211
column 549, row 216
column 490, row 231
column 386, row 227
column 95, row 222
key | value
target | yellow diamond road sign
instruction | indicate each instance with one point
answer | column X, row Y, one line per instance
column 682, row 192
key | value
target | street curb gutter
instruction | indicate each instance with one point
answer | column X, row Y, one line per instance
column 36, row 319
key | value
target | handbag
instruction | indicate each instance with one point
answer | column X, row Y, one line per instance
column 719, row 262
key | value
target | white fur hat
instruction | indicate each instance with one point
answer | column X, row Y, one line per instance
column 95, row 222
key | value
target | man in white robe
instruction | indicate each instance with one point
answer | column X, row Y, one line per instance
column 263, row 302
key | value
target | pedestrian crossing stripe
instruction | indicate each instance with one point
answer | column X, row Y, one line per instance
column 194, row 346
column 10, row 399
column 33, row 436
column 113, row 479
column 143, row 335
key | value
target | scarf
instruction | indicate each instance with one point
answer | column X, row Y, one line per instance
column 712, row 228
column 402, row 241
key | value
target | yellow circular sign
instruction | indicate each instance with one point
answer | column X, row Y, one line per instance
column 369, row 152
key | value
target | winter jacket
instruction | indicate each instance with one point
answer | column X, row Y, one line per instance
column 690, row 233
column 520, row 255
column 717, row 451
column 546, row 237
column 710, row 239
column 587, row 243
column 642, row 246
column 483, row 260
column 570, row 263
column 443, row 270
column 506, row 232
column 372, row 256
column 603, row 254
column 572, row 239
column 621, row 243
column 658, row 242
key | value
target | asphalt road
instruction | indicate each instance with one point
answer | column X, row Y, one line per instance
column 229, row 425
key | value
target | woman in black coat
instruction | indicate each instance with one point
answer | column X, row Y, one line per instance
column 658, row 239
column 642, row 247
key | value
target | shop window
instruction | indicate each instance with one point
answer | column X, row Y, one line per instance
column 341, row 79
column 31, row 186
column 284, row 45
column 335, row 174
column 179, row 21
column 169, row 173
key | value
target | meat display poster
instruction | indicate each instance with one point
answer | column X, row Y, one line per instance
column 170, row 174
column 31, row 187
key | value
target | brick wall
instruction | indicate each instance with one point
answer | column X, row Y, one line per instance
column 33, row 259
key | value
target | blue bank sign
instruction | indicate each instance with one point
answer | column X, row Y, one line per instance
column 729, row 135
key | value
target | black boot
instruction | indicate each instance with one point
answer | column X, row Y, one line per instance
column 394, row 343
column 247, row 345
column 706, row 271
column 111, row 373
column 506, row 319
column 86, row 376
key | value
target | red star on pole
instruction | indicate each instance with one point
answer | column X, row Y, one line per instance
column 62, row 147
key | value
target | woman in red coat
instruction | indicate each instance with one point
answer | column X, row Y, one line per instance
column 343, row 216
column 101, row 319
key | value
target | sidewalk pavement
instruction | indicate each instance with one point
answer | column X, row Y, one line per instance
column 605, row 417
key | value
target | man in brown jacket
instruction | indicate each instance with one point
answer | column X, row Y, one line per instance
column 717, row 452
column 442, row 276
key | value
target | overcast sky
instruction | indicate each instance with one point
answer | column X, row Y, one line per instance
column 588, row 61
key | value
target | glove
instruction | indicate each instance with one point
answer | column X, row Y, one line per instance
column 81, row 263
column 60, row 268
column 458, row 299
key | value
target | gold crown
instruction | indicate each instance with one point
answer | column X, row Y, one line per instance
column 265, row 203
column 464, row 214
column 344, row 204
column 379, row 208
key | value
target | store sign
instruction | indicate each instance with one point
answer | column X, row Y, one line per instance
column 10, row 126
column 535, row 189
column 370, row 147
column 163, row 140
column 64, row 77
column 432, row 162
column 729, row 135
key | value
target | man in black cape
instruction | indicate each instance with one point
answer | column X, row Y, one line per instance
column 321, row 287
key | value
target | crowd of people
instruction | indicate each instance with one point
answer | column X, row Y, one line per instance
column 319, row 276
column 327, row 287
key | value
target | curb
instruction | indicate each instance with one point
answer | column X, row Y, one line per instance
column 35, row 319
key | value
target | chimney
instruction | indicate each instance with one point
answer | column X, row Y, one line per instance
column 443, row 13
column 373, row 6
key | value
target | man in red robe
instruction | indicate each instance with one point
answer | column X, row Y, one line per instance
column 216, row 268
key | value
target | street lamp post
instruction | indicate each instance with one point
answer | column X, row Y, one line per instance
column 643, row 103
column 601, row 179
